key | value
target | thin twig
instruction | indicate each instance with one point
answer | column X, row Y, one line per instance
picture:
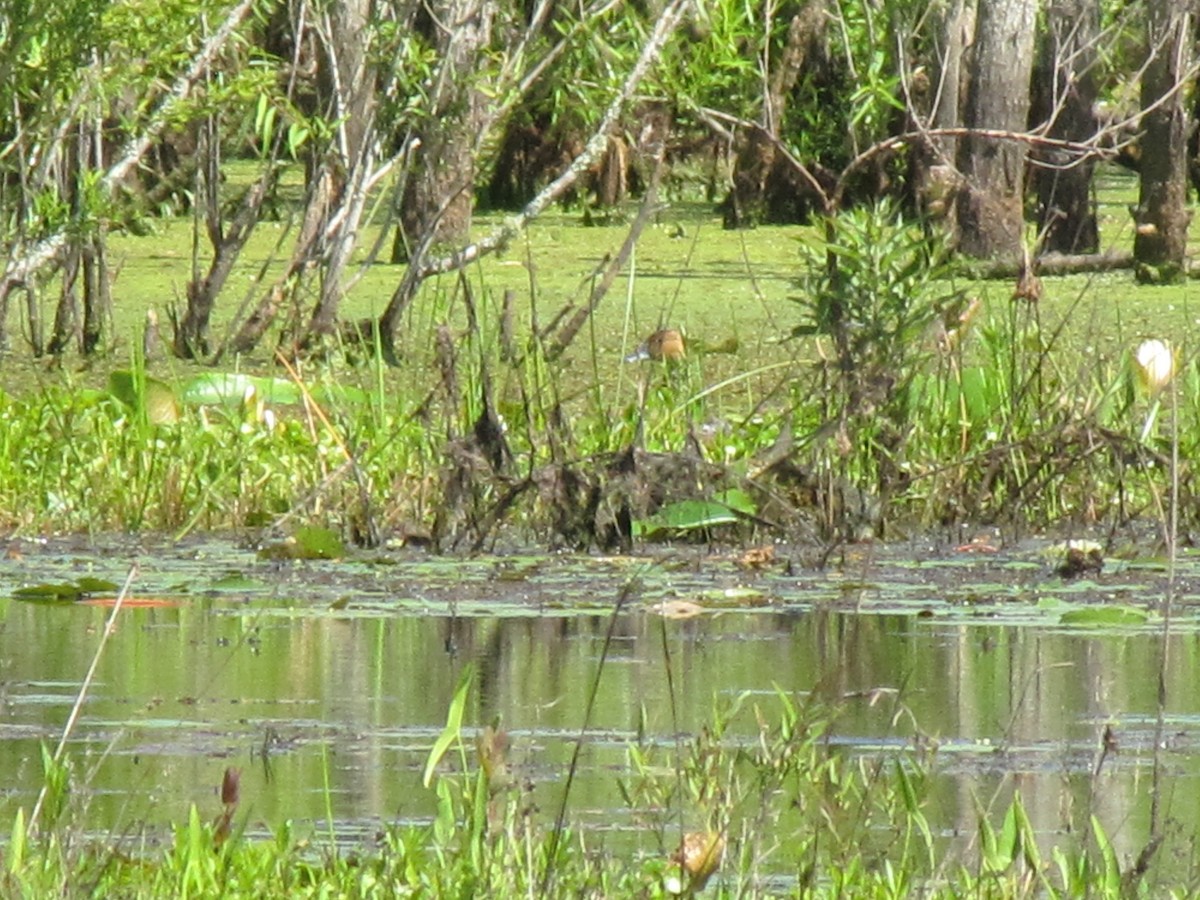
column 628, row 590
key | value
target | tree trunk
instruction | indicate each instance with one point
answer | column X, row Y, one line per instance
column 933, row 173
column 1065, row 93
column 1162, row 218
column 97, row 297
column 991, row 204
column 756, row 159
column 348, row 78
column 440, row 192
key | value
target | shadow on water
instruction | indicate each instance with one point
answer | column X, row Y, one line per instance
column 341, row 673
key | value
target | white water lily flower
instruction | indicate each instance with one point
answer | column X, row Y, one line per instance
column 1156, row 364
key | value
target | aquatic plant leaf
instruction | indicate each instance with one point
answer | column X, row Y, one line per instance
column 232, row 388
column 689, row 515
column 737, row 500
column 234, row 581
column 453, row 730
column 1103, row 615
column 146, row 395
column 318, row 542
column 309, row 542
column 49, row 593
column 90, row 585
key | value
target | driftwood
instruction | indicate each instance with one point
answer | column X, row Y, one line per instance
column 1053, row 264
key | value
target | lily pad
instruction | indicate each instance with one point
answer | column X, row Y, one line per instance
column 64, row 592
column 309, row 542
column 1104, row 616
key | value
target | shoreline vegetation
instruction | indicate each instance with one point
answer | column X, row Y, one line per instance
column 339, row 352
column 888, row 397
column 784, row 813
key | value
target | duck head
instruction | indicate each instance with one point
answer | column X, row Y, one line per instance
column 665, row 344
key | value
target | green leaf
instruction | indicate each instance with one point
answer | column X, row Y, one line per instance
column 1104, row 615
column 232, row 389
column 90, row 585
column 737, row 500
column 145, row 395
column 453, row 730
column 49, row 593
column 725, row 508
column 318, row 542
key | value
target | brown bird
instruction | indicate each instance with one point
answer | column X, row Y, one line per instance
column 664, row 344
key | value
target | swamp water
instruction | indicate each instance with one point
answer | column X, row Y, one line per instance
column 327, row 682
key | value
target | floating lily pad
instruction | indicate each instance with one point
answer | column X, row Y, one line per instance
column 64, row 592
column 309, row 542
column 90, row 585
column 1104, row 616
column 49, row 593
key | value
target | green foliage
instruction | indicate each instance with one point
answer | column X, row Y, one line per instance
column 725, row 508
column 874, row 286
column 785, row 801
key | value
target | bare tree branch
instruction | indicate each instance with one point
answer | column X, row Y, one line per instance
column 421, row 268
column 27, row 260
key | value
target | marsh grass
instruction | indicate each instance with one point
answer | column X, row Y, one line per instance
column 1009, row 425
column 873, row 424
column 794, row 816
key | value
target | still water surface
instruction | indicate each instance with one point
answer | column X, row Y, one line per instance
column 328, row 682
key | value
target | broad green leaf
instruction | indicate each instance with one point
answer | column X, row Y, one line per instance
column 1104, row 615
column 48, row 593
column 145, row 395
column 453, row 730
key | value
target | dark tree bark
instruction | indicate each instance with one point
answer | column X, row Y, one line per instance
column 227, row 240
column 1065, row 93
column 991, row 203
column 348, row 79
column 1160, row 242
column 938, row 98
column 440, row 192
column 756, row 159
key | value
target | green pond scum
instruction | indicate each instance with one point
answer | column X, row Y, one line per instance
column 1025, row 415
column 800, row 608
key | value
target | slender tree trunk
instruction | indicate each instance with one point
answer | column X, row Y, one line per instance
column 755, row 161
column 348, row 79
column 97, row 297
column 934, row 174
column 1065, row 92
column 66, row 313
column 191, row 337
column 1160, row 242
column 991, row 204
column 440, row 192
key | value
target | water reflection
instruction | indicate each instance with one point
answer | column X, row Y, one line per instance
column 295, row 699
